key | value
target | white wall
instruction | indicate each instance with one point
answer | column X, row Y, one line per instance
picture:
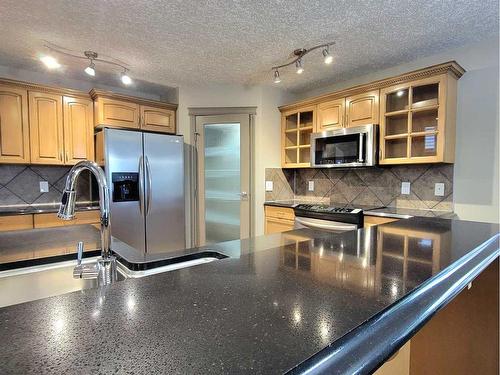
column 267, row 127
column 476, row 171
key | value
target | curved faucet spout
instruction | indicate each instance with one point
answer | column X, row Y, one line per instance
column 68, row 200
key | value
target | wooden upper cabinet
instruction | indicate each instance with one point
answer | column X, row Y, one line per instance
column 14, row 128
column 362, row 109
column 417, row 122
column 78, row 130
column 331, row 115
column 157, row 119
column 116, row 113
column 46, row 128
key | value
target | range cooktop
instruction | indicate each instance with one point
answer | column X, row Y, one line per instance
column 350, row 215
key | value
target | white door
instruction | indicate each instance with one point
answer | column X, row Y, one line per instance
column 223, row 183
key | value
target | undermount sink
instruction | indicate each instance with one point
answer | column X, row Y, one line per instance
column 49, row 280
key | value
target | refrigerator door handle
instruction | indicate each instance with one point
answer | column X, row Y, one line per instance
column 149, row 186
column 141, row 184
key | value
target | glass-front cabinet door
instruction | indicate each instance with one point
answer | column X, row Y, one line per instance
column 297, row 127
column 415, row 119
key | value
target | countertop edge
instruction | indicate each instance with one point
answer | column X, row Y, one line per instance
column 365, row 348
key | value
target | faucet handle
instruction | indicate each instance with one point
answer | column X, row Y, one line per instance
column 79, row 253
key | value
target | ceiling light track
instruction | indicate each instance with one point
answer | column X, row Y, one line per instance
column 92, row 57
column 298, row 59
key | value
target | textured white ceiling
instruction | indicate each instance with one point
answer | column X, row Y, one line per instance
column 196, row 42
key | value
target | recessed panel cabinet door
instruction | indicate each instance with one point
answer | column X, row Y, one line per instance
column 157, row 119
column 78, row 130
column 331, row 115
column 362, row 109
column 14, row 133
column 118, row 113
column 46, row 128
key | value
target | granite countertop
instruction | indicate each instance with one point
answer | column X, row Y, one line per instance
column 43, row 208
column 390, row 212
column 272, row 304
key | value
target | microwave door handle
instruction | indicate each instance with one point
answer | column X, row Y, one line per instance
column 361, row 157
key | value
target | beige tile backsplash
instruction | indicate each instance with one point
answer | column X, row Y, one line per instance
column 375, row 186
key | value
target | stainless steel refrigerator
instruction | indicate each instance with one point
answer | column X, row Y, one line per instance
column 145, row 172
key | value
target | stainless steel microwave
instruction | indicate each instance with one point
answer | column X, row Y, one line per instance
column 346, row 147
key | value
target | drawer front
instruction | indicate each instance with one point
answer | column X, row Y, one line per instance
column 16, row 222
column 274, row 225
column 280, row 212
column 51, row 220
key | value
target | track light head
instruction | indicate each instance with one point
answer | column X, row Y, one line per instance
column 300, row 68
column 277, row 78
column 90, row 70
column 126, row 80
column 327, row 58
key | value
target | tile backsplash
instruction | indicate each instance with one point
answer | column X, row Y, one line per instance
column 20, row 184
column 374, row 186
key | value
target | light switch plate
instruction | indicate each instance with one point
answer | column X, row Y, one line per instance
column 405, row 188
column 310, row 185
column 269, row 186
column 44, row 187
column 439, row 189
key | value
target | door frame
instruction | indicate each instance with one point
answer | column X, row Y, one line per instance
column 192, row 164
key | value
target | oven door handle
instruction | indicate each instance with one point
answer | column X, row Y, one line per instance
column 361, row 157
column 325, row 224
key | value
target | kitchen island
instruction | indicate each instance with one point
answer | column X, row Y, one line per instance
column 277, row 303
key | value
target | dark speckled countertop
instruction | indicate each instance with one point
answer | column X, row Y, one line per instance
column 390, row 212
column 276, row 301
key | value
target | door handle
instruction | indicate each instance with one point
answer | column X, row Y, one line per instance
column 243, row 195
column 141, row 185
column 149, row 186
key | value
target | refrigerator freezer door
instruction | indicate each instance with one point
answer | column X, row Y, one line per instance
column 164, row 186
column 124, row 153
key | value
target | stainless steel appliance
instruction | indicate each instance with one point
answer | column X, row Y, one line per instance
column 332, row 219
column 346, row 147
column 145, row 172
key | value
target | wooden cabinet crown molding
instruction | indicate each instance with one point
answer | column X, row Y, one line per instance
column 96, row 93
column 451, row 67
column 44, row 88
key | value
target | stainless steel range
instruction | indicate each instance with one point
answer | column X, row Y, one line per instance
column 330, row 218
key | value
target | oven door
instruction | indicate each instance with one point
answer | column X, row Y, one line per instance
column 348, row 147
column 327, row 225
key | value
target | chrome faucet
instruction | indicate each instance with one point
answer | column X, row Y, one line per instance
column 105, row 269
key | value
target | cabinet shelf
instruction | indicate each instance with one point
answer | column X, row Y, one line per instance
column 396, row 136
column 396, row 113
column 291, row 130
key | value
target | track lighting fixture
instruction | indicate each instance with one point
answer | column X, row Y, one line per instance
column 298, row 54
column 91, row 56
column 298, row 65
column 277, row 78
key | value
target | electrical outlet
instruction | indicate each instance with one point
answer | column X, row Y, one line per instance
column 405, row 188
column 439, row 189
column 269, row 186
column 44, row 187
column 310, row 186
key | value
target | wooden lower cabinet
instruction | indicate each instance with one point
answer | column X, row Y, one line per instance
column 16, row 222
column 46, row 220
column 51, row 220
column 278, row 219
column 377, row 220
column 14, row 131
